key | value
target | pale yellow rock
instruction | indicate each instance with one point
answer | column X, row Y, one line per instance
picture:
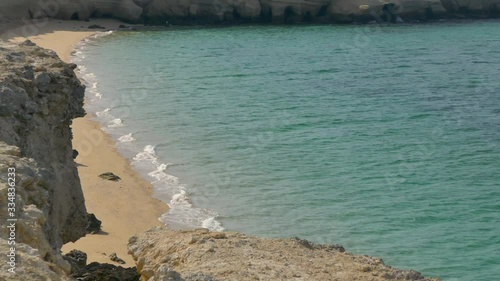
column 49, row 201
column 235, row 256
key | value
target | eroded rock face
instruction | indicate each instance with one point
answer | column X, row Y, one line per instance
column 290, row 11
column 202, row 11
column 127, row 10
column 473, row 8
column 39, row 97
column 385, row 11
column 273, row 11
column 161, row 253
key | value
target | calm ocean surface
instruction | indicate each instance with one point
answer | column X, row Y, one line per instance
column 383, row 139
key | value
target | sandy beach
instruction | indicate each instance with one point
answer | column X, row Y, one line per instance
column 125, row 207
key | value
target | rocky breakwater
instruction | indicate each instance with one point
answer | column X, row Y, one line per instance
column 200, row 255
column 39, row 97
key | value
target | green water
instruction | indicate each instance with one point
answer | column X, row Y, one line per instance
column 383, row 139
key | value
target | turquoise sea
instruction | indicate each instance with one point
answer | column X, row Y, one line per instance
column 384, row 139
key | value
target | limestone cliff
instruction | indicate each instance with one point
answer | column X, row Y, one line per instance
column 202, row 255
column 289, row 11
column 70, row 9
column 39, row 97
column 261, row 11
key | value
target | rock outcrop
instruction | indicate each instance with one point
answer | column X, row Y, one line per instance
column 161, row 254
column 261, row 11
column 202, row 11
column 386, row 11
column 290, row 11
column 126, row 10
column 39, row 97
column 472, row 8
column 105, row 272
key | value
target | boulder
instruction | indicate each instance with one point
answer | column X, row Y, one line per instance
column 106, row 272
column 77, row 259
column 93, row 224
column 109, row 176
column 115, row 258
column 75, row 153
column 96, row 26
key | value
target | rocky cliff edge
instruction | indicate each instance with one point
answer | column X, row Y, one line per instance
column 200, row 255
column 39, row 97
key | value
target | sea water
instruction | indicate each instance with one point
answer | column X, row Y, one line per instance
column 385, row 139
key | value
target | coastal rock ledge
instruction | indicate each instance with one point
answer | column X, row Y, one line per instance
column 39, row 97
column 201, row 255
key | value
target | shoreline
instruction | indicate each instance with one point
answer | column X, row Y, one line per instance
column 159, row 252
column 124, row 209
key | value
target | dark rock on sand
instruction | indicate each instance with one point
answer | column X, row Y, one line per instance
column 27, row 43
column 115, row 258
column 106, row 272
column 93, row 224
column 77, row 259
column 96, row 26
column 75, row 153
column 110, row 176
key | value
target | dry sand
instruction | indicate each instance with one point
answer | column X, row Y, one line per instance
column 124, row 207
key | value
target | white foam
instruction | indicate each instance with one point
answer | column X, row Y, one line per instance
column 147, row 154
column 182, row 213
column 126, row 138
column 116, row 123
column 212, row 224
column 89, row 76
column 103, row 113
column 181, row 198
column 101, row 34
column 161, row 176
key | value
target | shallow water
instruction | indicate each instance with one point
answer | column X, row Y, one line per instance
column 382, row 139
